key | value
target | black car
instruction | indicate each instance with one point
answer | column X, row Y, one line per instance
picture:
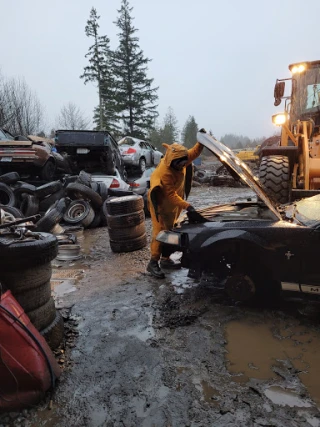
column 90, row 151
column 252, row 248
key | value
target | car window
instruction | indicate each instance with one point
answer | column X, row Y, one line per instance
column 4, row 136
column 126, row 141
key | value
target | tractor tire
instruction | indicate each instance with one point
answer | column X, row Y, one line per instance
column 274, row 175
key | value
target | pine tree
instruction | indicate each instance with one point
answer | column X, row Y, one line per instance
column 189, row 132
column 100, row 71
column 135, row 96
column 169, row 133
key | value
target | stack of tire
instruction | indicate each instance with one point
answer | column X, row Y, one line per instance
column 25, row 270
column 126, row 223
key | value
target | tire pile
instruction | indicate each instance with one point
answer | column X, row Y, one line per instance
column 25, row 270
column 126, row 223
column 75, row 201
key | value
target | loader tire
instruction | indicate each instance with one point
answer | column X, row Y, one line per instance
column 274, row 175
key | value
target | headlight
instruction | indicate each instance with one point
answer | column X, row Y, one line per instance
column 279, row 119
column 299, row 68
column 169, row 238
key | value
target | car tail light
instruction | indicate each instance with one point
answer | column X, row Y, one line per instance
column 130, row 151
column 134, row 184
column 115, row 183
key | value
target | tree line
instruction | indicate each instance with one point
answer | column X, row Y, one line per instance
column 127, row 97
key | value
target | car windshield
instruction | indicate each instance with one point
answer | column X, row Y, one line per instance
column 126, row 141
column 306, row 211
column 4, row 136
column 306, row 93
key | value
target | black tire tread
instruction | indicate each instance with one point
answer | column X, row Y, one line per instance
column 42, row 316
column 54, row 333
column 129, row 245
column 125, row 204
column 126, row 220
column 26, row 279
column 129, row 233
column 34, row 298
column 274, row 175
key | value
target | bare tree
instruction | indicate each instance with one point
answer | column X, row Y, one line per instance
column 71, row 117
column 20, row 110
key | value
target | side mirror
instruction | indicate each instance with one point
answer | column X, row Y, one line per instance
column 278, row 92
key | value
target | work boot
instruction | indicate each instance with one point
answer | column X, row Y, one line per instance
column 154, row 269
column 169, row 264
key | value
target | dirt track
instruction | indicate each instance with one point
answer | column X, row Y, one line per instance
column 174, row 352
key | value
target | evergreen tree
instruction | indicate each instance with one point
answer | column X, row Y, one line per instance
column 99, row 70
column 189, row 132
column 135, row 96
column 154, row 137
column 169, row 133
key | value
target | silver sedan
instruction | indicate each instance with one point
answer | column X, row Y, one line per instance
column 137, row 153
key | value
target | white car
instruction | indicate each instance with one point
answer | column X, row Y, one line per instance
column 111, row 181
column 137, row 153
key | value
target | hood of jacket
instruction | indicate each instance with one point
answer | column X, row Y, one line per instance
column 173, row 152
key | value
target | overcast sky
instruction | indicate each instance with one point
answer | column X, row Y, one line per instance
column 216, row 60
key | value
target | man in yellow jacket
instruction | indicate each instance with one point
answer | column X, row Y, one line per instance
column 169, row 184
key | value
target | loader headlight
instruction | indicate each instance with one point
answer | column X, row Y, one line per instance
column 279, row 119
column 299, row 68
column 169, row 238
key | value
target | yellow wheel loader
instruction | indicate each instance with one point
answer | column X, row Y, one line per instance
column 291, row 170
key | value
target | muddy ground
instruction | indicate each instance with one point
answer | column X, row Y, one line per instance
column 175, row 353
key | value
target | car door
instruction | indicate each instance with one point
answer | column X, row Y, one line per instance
column 310, row 271
column 145, row 152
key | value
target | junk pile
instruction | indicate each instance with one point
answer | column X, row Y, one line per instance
column 220, row 177
column 76, row 200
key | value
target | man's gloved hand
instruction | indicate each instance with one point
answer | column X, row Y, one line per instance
column 194, row 216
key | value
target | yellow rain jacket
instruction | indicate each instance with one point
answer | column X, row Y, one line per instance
column 168, row 187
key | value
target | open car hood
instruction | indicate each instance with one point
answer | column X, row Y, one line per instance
column 227, row 157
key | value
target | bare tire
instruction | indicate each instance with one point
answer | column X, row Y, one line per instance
column 47, row 189
column 129, row 233
column 27, row 253
column 10, row 178
column 48, row 171
column 29, row 205
column 54, row 333
column 34, row 298
column 274, row 174
column 7, row 196
column 80, row 191
column 50, row 219
column 129, row 245
column 123, row 205
column 42, row 316
column 126, row 220
column 19, row 281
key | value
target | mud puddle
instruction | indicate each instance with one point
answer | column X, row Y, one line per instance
column 285, row 353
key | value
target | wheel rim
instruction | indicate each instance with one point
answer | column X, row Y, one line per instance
column 77, row 211
column 142, row 165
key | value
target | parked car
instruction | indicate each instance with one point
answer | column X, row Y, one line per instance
column 30, row 156
column 140, row 185
column 90, row 151
column 254, row 249
column 111, row 181
column 137, row 153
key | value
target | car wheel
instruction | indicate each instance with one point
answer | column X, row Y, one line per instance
column 274, row 175
column 142, row 164
column 79, row 212
column 48, row 170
